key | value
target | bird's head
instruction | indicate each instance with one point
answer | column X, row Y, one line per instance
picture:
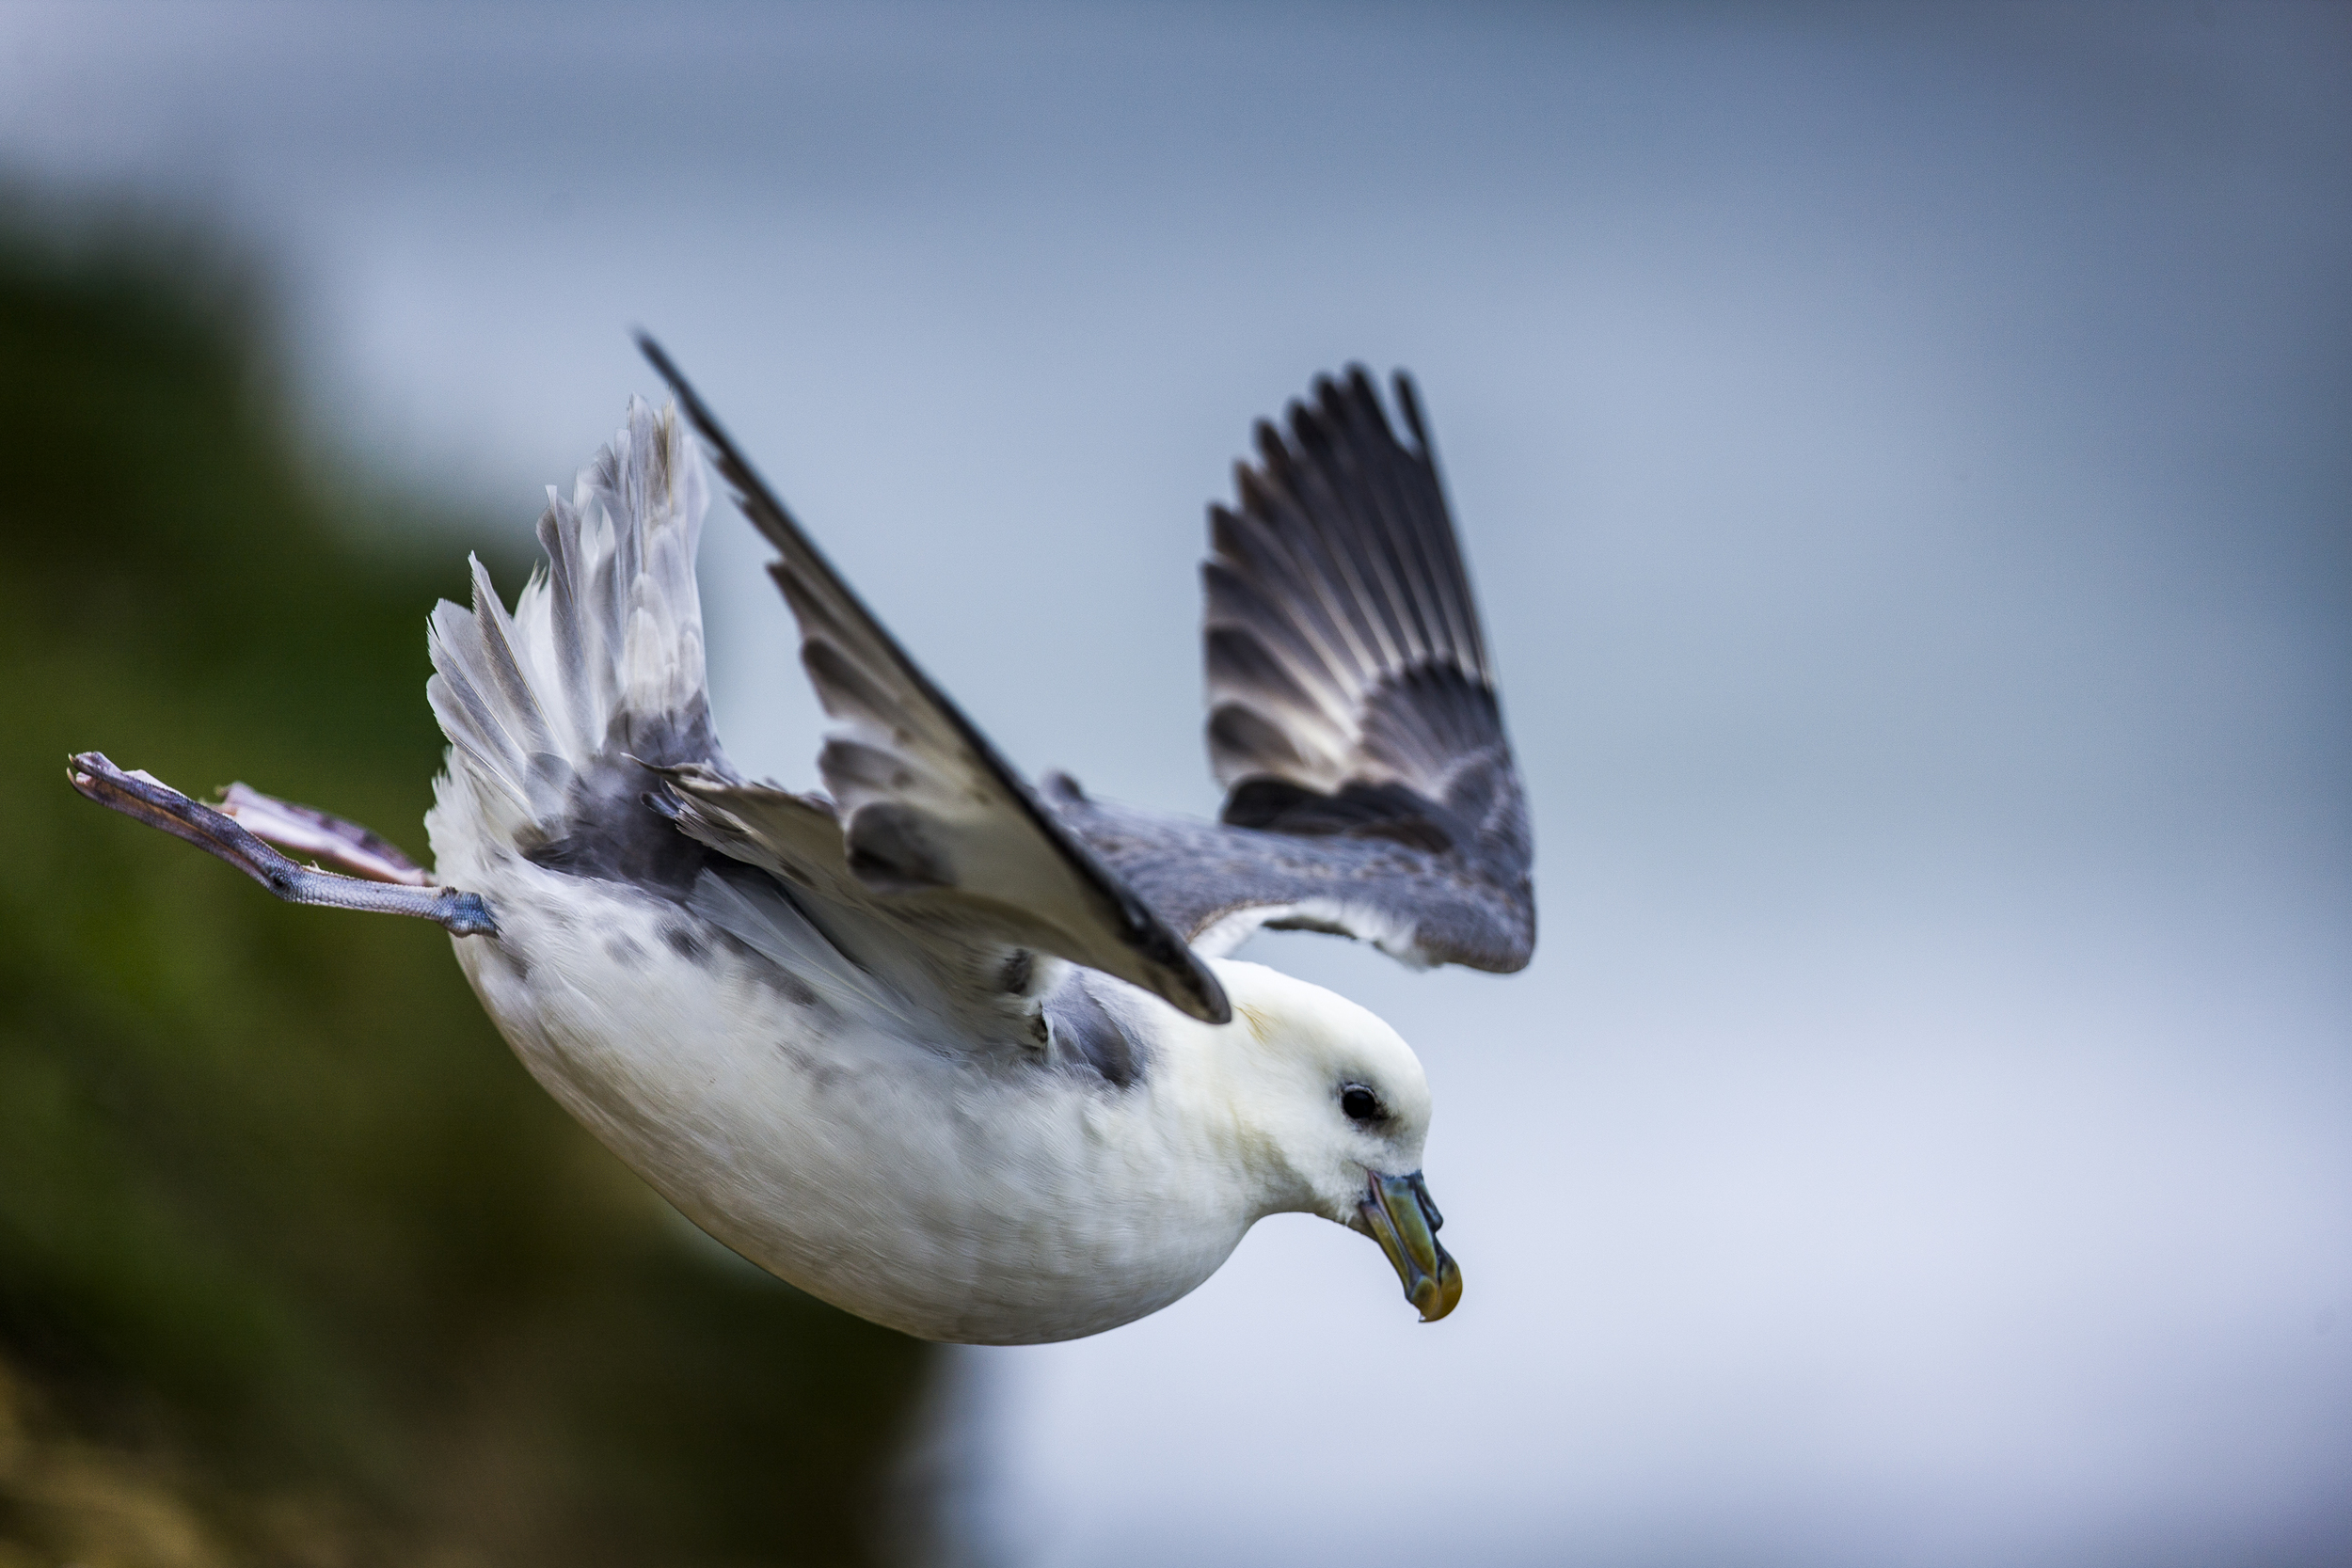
column 1332, row 1108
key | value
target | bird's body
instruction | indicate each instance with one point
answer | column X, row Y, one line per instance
column 951, row 1193
column 962, row 1057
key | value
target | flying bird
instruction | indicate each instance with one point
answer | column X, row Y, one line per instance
column 966, row 1057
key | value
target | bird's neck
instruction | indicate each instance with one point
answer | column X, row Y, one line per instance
column 1216, row 1097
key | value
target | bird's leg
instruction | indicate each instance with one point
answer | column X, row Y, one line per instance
column 389, row 885
column 338, row 845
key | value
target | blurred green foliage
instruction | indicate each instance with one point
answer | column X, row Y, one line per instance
column 296, row 1264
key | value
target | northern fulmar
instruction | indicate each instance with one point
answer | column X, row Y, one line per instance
column 961, row 1055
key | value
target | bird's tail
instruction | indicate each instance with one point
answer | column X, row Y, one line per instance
column 601, row 662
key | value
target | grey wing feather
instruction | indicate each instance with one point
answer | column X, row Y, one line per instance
column 1353, row 714
column 901, row 955
column 926, row 809
column 1343, row 641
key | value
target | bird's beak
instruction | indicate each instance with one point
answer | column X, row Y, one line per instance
column 1400, row 1217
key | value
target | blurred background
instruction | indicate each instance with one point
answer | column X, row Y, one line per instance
column 1903, row 452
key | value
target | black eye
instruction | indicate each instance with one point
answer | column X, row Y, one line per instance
column 1359, row 1104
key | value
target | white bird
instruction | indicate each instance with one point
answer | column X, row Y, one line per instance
column 957, row 1055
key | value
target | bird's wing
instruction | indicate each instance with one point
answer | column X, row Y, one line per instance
column 926, row 819
column 1353, row 716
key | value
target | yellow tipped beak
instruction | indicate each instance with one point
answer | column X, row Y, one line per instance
column 1398, row 1211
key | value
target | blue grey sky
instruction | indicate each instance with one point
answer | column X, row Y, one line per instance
column 1902, row 452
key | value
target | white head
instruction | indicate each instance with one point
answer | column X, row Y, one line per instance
column 1331, row 1108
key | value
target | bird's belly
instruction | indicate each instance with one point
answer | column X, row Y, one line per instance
column 947, row 1197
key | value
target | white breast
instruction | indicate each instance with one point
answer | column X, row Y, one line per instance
column 949, row 1195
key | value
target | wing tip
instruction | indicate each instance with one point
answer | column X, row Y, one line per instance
column 1211, row 1005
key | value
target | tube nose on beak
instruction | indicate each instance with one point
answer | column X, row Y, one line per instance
column 1403, row 1219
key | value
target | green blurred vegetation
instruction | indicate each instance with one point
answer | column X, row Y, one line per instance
column 296, row 1264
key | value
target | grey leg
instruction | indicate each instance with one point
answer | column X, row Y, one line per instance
column 159, row 805
column 338, row 845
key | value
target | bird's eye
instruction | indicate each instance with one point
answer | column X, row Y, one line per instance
column 1359, row 1104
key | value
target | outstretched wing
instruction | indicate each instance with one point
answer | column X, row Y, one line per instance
column 928, row 814
column 1351, row 712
